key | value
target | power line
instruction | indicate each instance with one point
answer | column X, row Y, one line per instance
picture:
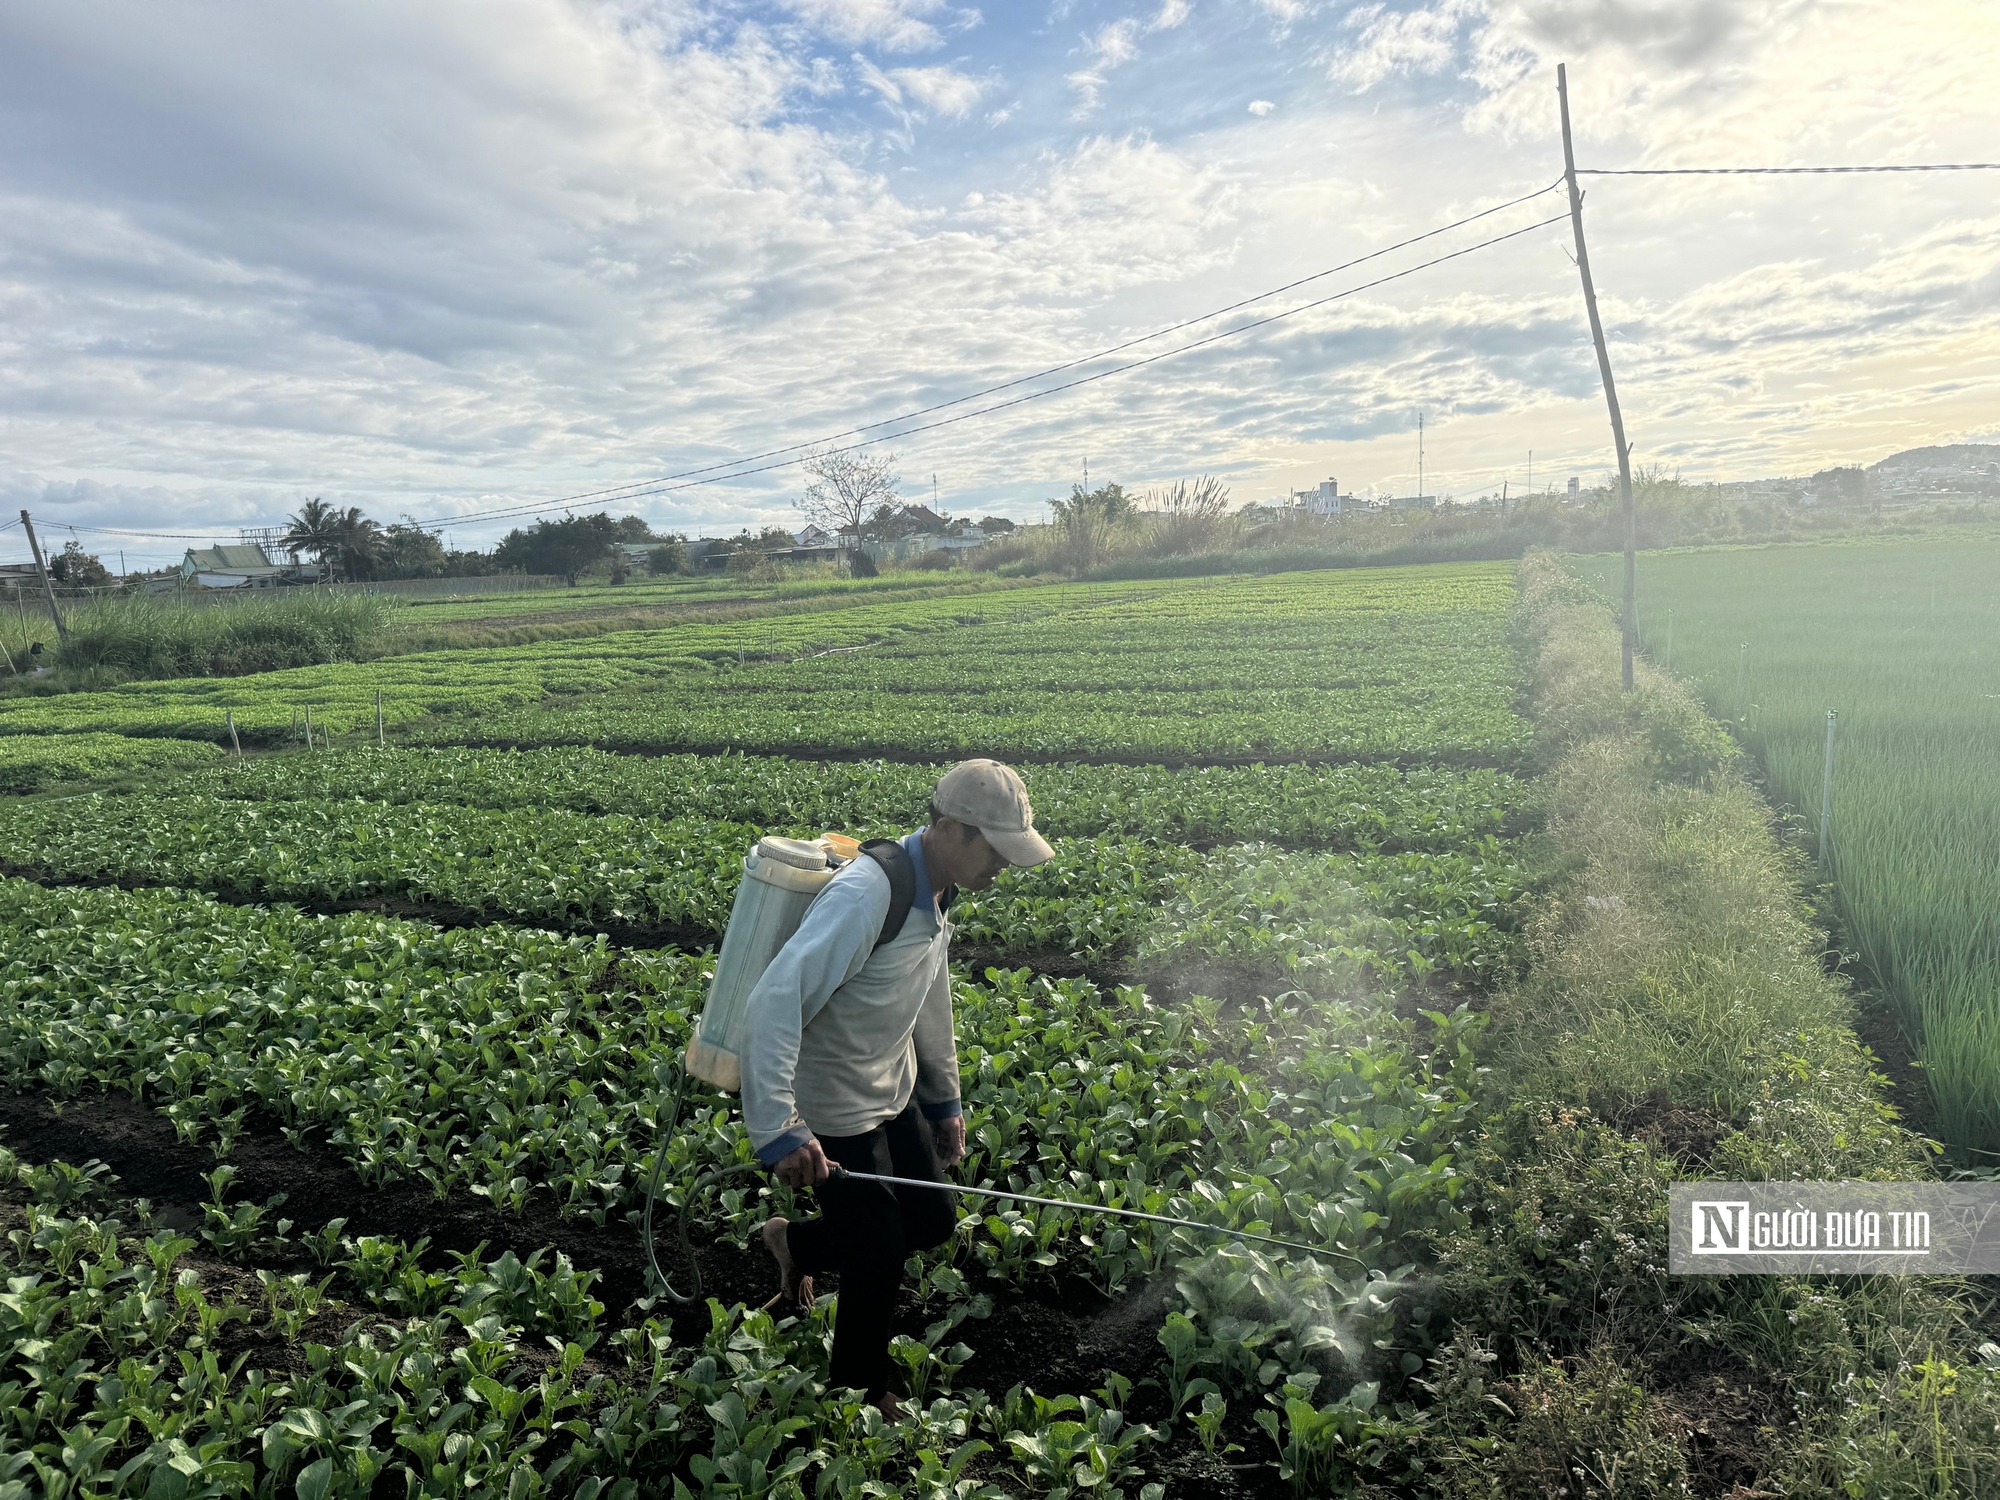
column 165, row 536
column 1943, row 166
column 1151, row 359
column 643, row 485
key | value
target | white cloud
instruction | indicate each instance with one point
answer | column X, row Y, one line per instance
column 1114, row 44
column 1389, row 42
column 892, row 25
column 943, row 90
column 1261, row 107
column 422, row 258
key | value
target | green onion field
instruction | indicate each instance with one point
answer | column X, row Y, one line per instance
column 1902, row 641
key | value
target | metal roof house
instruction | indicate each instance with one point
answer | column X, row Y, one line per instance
column 241, row 566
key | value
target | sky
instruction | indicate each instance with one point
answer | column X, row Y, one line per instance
column 471, row 255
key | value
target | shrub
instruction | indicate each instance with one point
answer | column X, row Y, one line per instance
column 139, row 638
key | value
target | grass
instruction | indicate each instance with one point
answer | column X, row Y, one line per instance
column 126, row 639
column 1900, row 640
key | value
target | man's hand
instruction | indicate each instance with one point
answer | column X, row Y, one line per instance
column 949, row 1138
column 805, row 1167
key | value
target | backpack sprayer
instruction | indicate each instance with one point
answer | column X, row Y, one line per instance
column 781, row 879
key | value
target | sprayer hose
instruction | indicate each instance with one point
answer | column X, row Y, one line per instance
column 655, row 1275
column 658, row 1277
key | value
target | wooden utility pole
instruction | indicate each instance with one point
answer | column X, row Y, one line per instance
column 1630, row 623
column 62, row 630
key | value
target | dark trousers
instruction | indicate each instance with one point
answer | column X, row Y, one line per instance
column 865, row 1231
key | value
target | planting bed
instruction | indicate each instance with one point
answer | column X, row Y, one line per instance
column 475, row 1084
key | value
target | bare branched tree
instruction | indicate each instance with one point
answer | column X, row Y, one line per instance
column 847, row 490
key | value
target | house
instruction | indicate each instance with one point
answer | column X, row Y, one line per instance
column 1326, row 500
column 923, row 518
column 237, row 567
column 816, row 536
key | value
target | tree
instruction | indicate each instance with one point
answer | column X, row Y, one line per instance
column 346, row 540
column 314, row 530
column 634, row 529
column 847, row 489
column 78, row 569
column 358, row 544
column 995, row 525
column 669, row 557
column 571, row 546
column 409, row 551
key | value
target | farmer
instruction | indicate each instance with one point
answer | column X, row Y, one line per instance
column 852, row 1059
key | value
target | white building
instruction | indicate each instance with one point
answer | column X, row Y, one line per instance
column 1326, row 500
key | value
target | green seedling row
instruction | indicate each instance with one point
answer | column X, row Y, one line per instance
column 1272, row 914
column 497, row 1062
column 39, row 763
column 493, row 1378
column 1375, row 807
column 1344, row 664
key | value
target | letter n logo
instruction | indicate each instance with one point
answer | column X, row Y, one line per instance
column 1719, row 1226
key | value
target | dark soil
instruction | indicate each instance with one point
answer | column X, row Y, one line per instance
column 1881, row 1031
column 1687, row 1135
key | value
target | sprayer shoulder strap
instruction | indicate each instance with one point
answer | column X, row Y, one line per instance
column 896, row 864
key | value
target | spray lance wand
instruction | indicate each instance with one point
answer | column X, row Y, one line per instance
column 781, row 877
column 658, row 1278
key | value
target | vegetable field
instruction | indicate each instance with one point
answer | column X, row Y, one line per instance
column 332, row 1078
column 1900, row 641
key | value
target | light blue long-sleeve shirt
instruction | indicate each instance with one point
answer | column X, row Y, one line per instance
column 841, row 1033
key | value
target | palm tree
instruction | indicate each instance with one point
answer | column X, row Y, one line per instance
column 314, row 529
column 358, row 542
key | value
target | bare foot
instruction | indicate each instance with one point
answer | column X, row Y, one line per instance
column 794, row 1290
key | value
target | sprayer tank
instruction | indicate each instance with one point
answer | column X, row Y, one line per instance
column 780, row 879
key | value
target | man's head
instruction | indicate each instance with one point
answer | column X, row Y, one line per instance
column 981, row 823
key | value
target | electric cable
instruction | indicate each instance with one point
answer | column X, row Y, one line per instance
column 1941, row 166
column 165, row 536
column 640, row 485
column 1151, row 359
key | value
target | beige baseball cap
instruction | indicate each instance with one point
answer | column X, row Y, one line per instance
column 992, row 798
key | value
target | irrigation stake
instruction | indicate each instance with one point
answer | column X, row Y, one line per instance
column 1742, row 657
column 309, row 729
column 1826, row 791
column 229, row 718
column 1630, row 625
column 1668, row 666
column 380, row 741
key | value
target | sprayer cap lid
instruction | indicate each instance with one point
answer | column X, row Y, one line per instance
column 992, row 798
column 794, row 852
